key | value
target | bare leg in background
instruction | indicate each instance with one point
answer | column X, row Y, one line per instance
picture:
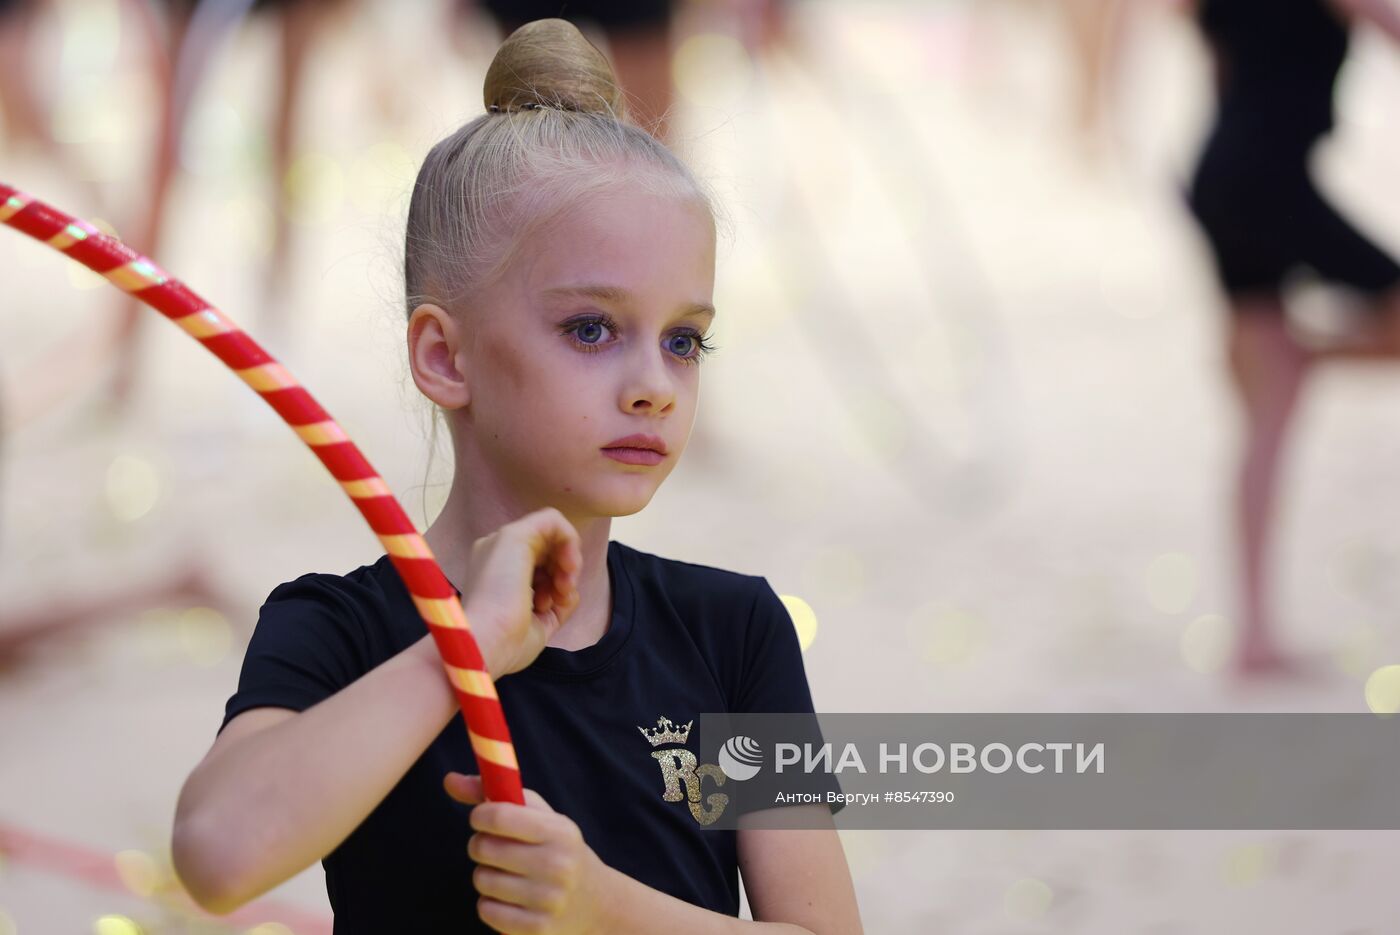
column 1267, row 367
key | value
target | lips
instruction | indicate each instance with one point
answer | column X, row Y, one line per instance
column 638, row 442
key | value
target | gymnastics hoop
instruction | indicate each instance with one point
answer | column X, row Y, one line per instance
column 433, row 595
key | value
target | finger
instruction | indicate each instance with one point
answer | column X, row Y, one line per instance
column 565, row 608
column 534, row 800
column 464, row 788
column 529, row 823
column 563, row 573
column 552, row 533
column 511, row 888
column 563, row 582
column 503, row 853
column 544, row 595
column 571, row 556
column 554, row 541
column 505, row 918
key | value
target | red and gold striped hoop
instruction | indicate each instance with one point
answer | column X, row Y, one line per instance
column 432, row 593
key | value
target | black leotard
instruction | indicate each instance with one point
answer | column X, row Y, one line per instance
column 1277, row 62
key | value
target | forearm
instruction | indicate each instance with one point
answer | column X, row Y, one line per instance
column 276, row 801
column 634, row 907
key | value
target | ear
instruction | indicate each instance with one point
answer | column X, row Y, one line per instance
column 436, row 344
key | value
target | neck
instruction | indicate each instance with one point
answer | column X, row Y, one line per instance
column 475, row 509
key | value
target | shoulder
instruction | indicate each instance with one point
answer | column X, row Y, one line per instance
column 314, row 635
column 706, row 589
column 728, row 618
column 360, row 592
column 729, row 614
column 742, row 627
column 359, row 611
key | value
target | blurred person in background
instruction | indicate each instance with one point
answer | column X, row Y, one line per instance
column 40, row 385
column 1096, row 31
column 19, row 105
column 1099, row 34
column 190, row 584
column 180, row 57
column 24, row 111
column 1276, row 62
column 189, row 581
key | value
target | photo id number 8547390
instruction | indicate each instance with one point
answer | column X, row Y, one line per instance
column 930, row 796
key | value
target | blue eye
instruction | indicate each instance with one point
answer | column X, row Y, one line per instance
column 586, row 334
column 699, row 348
column 587, row 328
column 584, row 331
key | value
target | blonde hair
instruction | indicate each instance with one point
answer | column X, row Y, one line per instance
column 555, row 132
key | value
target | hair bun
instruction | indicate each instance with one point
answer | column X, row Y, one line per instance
column 549, row 63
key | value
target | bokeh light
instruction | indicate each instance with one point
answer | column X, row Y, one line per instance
column 1171, row 582
column 116, row 925
column 269, row 928
column 216, row 141
column 1383, row 690
column 381, row 180
column 205, row 635
column 133, row 487
column 804, row 619
column 314, row 189
column 139, row 872
column 1246, row 864
column 1028, row 898
column 1205, row 643
column 944, row 635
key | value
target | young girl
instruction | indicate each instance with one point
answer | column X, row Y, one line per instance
column 560, row 271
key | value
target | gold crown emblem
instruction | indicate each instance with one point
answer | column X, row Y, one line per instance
column 668, row 734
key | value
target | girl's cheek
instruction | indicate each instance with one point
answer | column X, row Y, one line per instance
column 510, row 366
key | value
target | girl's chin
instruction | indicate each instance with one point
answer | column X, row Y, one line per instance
column 617, row 500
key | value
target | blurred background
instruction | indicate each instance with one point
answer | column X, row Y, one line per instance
column 970, row 415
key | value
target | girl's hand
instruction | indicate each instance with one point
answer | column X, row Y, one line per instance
column 534, row 871
column 522, row 584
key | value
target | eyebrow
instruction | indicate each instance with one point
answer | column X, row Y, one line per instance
column 620, row 296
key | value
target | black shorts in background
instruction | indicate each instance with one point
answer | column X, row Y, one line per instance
column 611, row 15
column 1265, row 219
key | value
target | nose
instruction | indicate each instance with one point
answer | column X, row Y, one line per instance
column 650, row 386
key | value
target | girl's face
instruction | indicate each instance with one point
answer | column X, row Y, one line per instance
column 595, row 332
